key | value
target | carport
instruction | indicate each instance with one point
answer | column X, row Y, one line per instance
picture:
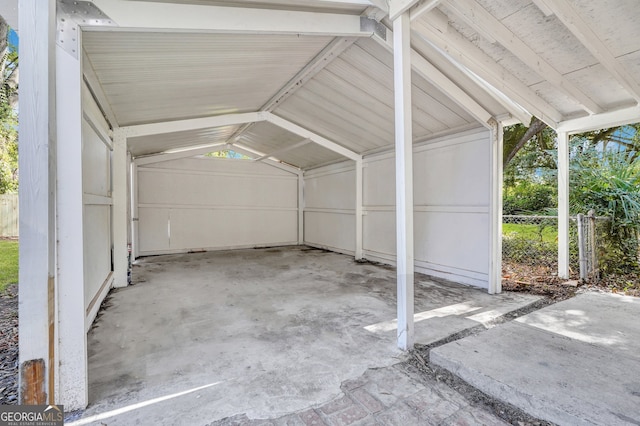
column 328, row 99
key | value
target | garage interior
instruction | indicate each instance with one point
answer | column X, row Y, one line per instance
column 370, row 129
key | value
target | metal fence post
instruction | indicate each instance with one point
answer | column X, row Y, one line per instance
column 582, row 248
column 593, row 257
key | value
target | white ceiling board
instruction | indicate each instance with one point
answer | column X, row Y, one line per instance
column 327, row 6
column 309, row 155
column 152, row 77
column 146, row 145
column 266, row 138
column 503, row 8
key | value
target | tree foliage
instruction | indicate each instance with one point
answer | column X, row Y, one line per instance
column 8, row 114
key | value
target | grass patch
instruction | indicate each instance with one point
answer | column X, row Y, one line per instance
column 8, row 263
column 547, row 234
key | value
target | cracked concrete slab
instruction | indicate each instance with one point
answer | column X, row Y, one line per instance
column 262, row 333
column 573, row 363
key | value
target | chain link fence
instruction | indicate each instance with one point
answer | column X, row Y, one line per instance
column 532, row 241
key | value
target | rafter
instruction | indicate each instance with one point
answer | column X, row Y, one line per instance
column 140, row 15
column 571, row 18
column 191, row 124
column 186, row 152
column 317, row 64
column 95, row 87
column 430, row 73
column 605, row 120
column 491, row 28
column 435, row 28
column 308, row 134
column 283, row 150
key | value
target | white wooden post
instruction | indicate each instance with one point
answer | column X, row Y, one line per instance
column 358, row 254
column 37, row 23
column 134, row 209
column 563, row 205
column 72, row 341
column 404, row 178
column 119, row 211
column 300, row 208
column 495, row 209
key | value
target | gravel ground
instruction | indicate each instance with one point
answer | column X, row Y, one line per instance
column 9, row 346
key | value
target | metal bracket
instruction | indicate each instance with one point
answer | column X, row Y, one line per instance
column 371, row 25
column 73, row 14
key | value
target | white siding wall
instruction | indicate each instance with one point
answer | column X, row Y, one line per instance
column 96, row 181
column 451, row 198
column 208, row 203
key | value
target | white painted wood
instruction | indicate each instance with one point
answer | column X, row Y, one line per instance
column 72, row 340
column 543, row 7
column 38, row 179
column 398, row 7
column 283, row 150
column 213, row 203
column 404, row 178
column 358, row 210
column 119, row 208
column 571, row 18
column 191, row 124
column 430, row 73
column 605, row 120
column 300, row 208
column 305, row 133
column 434, row 28
column 490, row 27
column 135, row 235
column 182, row 153
column 94, row 305
column 563, row 205
column 98, row 92
column 495, row 209
column 422, row 7
column 92, row 113
column 140, row 15
column 251, row 154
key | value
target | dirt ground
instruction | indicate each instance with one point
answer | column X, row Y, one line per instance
column 9, row 346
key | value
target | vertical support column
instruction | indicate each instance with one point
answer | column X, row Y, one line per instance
column 563, row 205
column 37, row 201
column 72, row 341
column 359, row 255
column 119, row 209
column 134, row 209
column 301, row 207
column 495, row 209
column 404, row 178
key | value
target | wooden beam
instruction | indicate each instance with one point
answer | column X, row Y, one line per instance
column 143, row 15
column 300, row 207
column 191, row 124
column 583, row 31
column 176, row 155
column 358, row 210
column 491, row 28
column 423, row 7
column 277, row 164
column 283, row 150
column 305, row 133
column 317, row 64
column 37, row 140
column 434, row 28
column 399, row 7
column 433, row 75
column 563, row 205
column 72, row 337
column 119, row 217
column 495, row 208
column 91, row 78
column 404, row 179
column 605, row 120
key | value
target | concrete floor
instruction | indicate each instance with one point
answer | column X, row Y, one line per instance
column 266, row 332
column 576, row 362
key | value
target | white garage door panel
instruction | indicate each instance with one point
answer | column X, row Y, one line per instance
column 153, row 229
column 97, row 249
column 197, row 228
column 169, row 187
column 335, row 231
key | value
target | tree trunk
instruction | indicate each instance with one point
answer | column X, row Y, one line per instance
column 535, row 127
